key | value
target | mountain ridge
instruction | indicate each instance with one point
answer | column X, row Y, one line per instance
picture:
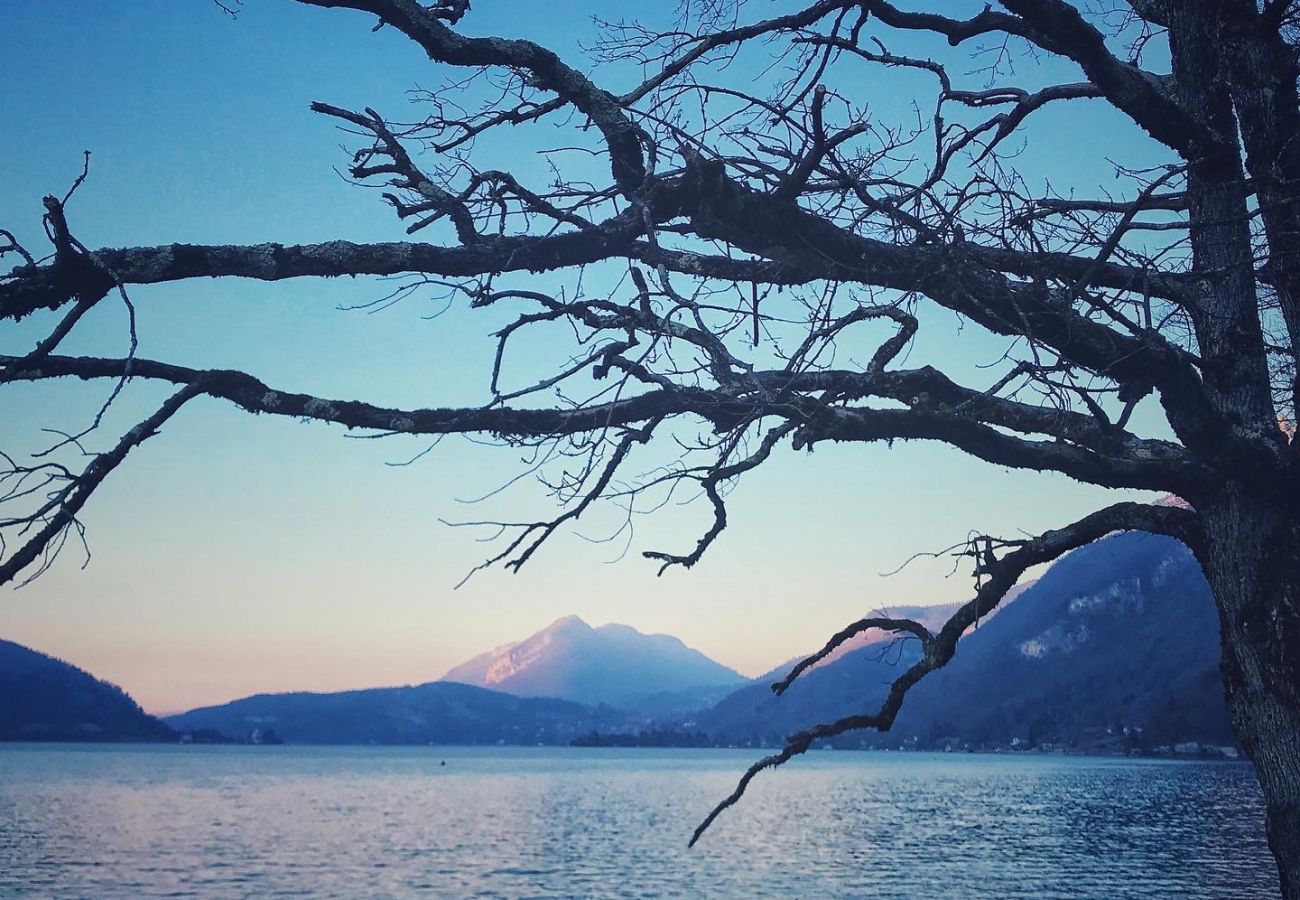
column 439, row 712
column 611, row 664
column 43, row 698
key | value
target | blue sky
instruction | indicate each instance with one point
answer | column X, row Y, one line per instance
column 236, row 554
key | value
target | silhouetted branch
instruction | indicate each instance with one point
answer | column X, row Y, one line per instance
column 998, row 575
column 59, row 512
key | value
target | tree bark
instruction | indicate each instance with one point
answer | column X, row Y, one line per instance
column 1252, row 560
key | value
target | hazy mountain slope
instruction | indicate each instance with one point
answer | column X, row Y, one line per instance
column 654, row 708
column 612, row 664
column 46, row 699
column 853, row 677
column 1120, row 633
column 440, row 713
column 855, row 682
column 931, row 617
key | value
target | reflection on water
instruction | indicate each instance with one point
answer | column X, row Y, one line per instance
column 96, row 821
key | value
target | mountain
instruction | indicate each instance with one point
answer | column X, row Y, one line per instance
column 566, row 681
column 436, row 713
column 46, row 699
column 1115, row 647
column 1120, row 634
column 613, row 664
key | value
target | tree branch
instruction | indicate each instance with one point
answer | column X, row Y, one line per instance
column 61, row 512
column 999, row 576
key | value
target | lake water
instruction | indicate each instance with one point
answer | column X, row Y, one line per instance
column 135, row 821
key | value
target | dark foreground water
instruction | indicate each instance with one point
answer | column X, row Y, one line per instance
column 95, row 821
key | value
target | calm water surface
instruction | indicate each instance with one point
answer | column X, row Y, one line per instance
column 96, row 821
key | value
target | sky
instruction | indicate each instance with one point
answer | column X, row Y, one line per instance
column 236, row 554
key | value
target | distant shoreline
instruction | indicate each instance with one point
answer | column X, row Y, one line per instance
column 1033, row 752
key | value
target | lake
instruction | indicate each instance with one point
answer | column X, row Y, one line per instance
column 187, row 821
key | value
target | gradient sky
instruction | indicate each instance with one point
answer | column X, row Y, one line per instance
column 237, row 554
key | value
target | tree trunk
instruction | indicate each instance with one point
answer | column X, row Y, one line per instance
column 1252, row 560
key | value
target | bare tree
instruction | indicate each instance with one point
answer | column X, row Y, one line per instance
column 777, row 245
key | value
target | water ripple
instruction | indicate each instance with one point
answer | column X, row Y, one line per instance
column 228, row 822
